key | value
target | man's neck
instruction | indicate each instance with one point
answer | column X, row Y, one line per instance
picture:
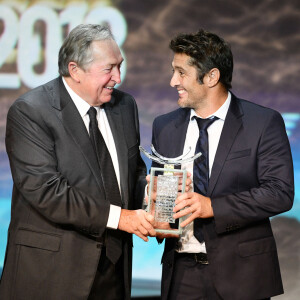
column 215, row 100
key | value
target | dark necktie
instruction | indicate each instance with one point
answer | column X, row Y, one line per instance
column 112, row 193
column 201, row 169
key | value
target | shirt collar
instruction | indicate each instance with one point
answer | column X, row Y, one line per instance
column 220, row 113
column 82, row 105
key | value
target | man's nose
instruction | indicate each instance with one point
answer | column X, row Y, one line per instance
column 116, row 76
column 174, row 80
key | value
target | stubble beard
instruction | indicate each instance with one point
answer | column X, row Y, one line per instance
column 185, row 103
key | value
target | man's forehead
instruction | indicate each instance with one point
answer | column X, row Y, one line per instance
column 180, row 60
column 107, row 50
column 104, row 46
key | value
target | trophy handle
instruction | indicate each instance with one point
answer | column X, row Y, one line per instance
column 166, row 158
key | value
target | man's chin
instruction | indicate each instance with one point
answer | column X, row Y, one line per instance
column 182, row 103
column 105, row 99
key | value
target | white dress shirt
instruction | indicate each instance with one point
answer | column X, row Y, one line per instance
column 188, row 242
column 83, row 107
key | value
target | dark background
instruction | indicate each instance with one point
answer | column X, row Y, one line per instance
column 265, row 39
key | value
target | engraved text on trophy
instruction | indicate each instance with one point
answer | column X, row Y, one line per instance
column 167, row 189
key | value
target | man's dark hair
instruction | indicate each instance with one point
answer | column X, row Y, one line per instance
column 207, row 51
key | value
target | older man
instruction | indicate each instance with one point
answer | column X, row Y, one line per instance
column 78, row 176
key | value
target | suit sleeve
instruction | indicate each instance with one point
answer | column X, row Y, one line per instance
column 155, row 144
column 141, row 170
column 273, row 192
column 31, row 150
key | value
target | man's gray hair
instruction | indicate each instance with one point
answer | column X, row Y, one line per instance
column 77, row 46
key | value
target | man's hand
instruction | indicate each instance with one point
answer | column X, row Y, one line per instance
column 164, row 225
column 137, row 222
column 195, row 204
column 188, row 182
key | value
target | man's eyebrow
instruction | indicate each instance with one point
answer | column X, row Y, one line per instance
column 114, row 64
column 178, row 68
column 119, row 63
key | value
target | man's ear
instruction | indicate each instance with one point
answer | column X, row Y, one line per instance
column 74, row 71
column 213, row 77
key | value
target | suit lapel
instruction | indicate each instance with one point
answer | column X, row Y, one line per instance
column 73, row 123
column 115, row 120
column 181, row 124
column 231, row 127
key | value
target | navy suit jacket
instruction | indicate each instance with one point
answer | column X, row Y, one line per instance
column 251, row 181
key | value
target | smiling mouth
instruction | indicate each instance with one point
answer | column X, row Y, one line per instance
column 180, row 92
column 109, row 87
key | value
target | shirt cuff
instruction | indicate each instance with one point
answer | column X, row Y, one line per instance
column 113, row 217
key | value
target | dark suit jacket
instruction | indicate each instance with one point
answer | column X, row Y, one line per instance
column 58, row 202
column 251, row 181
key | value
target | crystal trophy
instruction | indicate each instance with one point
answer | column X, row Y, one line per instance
column 166, row 193
column 166, row 183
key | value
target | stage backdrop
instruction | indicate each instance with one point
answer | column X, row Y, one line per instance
column 264, row 35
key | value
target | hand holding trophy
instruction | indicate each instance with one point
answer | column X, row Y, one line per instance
column 164, row 186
